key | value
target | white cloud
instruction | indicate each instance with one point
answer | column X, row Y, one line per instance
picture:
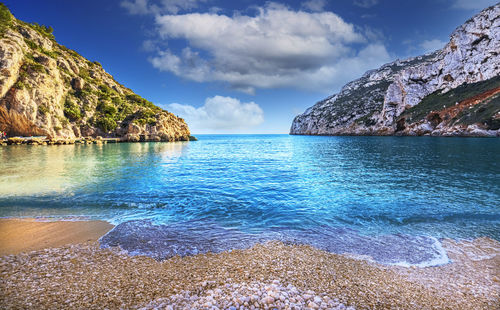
column 473, row 4
column 314, row 5
column 432, row 45
column 136, row 6
column 219, row 114
column 142, row 7
column 277, row 47
column 149, row 46
column 366, row 3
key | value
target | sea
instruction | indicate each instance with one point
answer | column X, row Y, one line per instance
column 387, row 199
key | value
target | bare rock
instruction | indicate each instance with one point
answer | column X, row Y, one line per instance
column 77, row 83
column 48, row 89
column 373, row 103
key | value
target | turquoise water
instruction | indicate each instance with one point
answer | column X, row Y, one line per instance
column 339, row 193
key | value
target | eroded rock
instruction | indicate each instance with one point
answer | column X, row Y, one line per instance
column 49, row 90
column 375, row 103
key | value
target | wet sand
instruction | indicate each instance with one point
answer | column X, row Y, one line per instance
column 24, row 235
column 82, row 275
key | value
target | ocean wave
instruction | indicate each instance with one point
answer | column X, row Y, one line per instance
column 160, row 241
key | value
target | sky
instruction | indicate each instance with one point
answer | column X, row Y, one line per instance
column 245, row 66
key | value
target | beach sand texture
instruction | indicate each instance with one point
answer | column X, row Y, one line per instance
column 24, row 235
column 82, row 275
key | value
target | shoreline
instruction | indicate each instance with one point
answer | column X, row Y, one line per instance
column 395, row 135
column 81, row 140
column 64, row 258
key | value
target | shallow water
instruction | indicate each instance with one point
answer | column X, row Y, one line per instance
column 364, row 195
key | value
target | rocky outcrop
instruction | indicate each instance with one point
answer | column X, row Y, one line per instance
column 403, row 97
column 49, row 90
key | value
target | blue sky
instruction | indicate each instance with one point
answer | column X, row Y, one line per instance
column 245, row 66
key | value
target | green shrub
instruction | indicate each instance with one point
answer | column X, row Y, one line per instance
column 144, row 121
column 84, row 74
column 117, row 100
column 103, row 96
column 19, row 85
column 106, row 108
column 145, row 116
column 146, row 113
column 31, row 44
column 43, row 30
column 51, row 54
column 23, row 74
column 5, row 19
column 72, row 110
column 106, row 124
column 105, row 93
column 36, row 47
column 125, row 109
column 106, row 89
column 32, row 66
column 37, row 67
column 438, row 101
column 67, row 50
column 86, row 107
column 483, row 113
column 110, row 110
column 134, row 98
column 73, row 53
column 138, row 100
column 83, row 93
column 42, row 109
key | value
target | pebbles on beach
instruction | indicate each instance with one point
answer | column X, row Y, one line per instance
column 85, row 276
column 256, row 295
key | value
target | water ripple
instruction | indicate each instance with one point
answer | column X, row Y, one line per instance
column 257, row 184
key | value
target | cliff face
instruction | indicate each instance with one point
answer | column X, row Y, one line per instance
column 453, row 91
column 48, row 89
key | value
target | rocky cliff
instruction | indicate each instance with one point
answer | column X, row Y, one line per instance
column 453, row 91
column 49, row 90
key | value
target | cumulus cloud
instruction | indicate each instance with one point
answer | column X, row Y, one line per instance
column 277, row 47
column 142, row 7
column 314, row 5
column 365, row 3
column 432, row 45
column 219, row 114
column 473, row 4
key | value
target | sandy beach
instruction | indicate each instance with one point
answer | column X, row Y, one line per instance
column 60, row 265
column 25, row 235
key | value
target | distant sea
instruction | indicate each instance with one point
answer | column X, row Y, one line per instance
column 390, row 199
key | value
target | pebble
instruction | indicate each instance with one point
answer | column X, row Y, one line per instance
column 227, row 297
column 85, row 276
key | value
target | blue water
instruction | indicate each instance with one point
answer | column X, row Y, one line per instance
column 338, row 193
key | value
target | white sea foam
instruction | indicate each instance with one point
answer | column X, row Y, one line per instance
column 441, row 259
column 195, row 237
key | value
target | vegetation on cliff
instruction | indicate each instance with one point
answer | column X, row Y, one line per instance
column 467, row 104
column 49, row 89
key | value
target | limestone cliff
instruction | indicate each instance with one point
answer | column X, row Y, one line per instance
column 453, row 91
column 49, row 90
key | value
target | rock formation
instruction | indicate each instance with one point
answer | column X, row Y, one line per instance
column 454, row 91
column 49, row 90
